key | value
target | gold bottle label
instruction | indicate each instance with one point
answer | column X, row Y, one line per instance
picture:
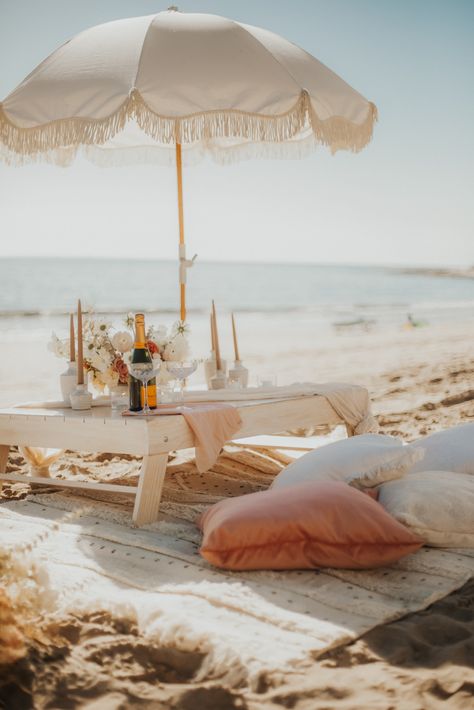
column 152, row 399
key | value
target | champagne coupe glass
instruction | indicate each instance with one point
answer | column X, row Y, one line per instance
column 144, row 371
column 180, row 371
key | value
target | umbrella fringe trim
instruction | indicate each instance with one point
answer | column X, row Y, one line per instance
column 58, row 141
column 193, row 155
column 339, row 134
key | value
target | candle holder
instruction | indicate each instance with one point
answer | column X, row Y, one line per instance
column 239, row 374
column 219, row 381
column 210, row 368
column 80, row 398
column 67, row 381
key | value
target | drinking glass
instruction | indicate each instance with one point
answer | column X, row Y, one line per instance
column 179, row 371
column 267, row 380
column 119, row 397
column 144, row 371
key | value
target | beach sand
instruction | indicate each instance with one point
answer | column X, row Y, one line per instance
column 421, row 381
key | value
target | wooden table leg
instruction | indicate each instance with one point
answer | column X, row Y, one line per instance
column 150, row 485
column 4, row 451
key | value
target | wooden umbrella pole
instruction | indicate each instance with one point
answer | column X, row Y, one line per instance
column 216, row 339
column 179, row 175
column 80, row 353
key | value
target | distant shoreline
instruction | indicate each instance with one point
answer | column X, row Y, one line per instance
column 447, row 273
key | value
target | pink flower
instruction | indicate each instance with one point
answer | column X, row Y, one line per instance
column 153, row 347
column 120, row 366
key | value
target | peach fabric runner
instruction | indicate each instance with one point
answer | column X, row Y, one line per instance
column 212, row 423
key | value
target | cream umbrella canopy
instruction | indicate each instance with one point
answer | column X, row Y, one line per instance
column 177, row 86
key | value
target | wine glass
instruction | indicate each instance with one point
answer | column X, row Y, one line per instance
column 144, row 371
column 179, row 371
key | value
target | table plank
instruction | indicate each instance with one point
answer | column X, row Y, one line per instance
column 100, row 430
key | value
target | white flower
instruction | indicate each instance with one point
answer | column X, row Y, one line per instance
column 129, row 321
column 59, row 347
column 158, row 334
column 177, row 349
column 122, row 341
column 100, row 326
column 100, row 359
column 179, row 328
column 97, row 381
column 109, row 377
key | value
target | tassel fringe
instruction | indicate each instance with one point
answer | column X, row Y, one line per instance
column 59, row 141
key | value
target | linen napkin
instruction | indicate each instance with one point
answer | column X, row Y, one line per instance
column 350, row 402
column 212, row 423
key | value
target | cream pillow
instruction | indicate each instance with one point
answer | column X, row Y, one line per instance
column 438, row 506
column 449, row 450
column 362, row 461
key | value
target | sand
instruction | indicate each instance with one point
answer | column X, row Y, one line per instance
column 423, row 661
column 422, row 383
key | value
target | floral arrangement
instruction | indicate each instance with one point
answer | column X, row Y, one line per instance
column 107, row 353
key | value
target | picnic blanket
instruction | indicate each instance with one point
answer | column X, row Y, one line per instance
column 247, row 624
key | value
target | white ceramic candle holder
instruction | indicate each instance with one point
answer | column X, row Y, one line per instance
column 240, row 374
column 219, row 381
column 81, row 398
column 67, row 381
column 210, row 368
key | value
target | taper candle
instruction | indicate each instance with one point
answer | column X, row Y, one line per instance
column 72, row 340
column 213, row 344
column 80, row 355
column 236, row 346
column 216, row 339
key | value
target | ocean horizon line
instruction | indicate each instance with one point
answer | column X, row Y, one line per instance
column 401, row 266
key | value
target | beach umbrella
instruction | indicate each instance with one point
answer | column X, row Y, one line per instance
column 175, row 86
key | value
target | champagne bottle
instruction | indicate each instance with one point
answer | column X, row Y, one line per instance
column 140, row 353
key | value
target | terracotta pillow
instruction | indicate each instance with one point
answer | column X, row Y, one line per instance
column 321, row 524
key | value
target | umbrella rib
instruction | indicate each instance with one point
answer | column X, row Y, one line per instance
column 141, row 54
column 267, row 51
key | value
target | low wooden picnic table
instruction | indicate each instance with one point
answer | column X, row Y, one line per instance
column 104, row 430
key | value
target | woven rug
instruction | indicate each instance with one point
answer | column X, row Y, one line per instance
column 247, row 624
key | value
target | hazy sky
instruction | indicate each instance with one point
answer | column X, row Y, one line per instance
column 407, row 198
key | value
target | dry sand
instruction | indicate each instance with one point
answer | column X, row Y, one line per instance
column 425, row 660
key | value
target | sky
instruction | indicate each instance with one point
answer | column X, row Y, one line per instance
column 406, row 199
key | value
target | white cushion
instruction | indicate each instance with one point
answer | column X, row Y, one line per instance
column 363, row 461
column 449, row 450
column 438, row 506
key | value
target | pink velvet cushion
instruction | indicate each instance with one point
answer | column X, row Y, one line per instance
column 318, row 524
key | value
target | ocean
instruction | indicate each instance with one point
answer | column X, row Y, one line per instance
column 45, row 288
column 300, row 322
